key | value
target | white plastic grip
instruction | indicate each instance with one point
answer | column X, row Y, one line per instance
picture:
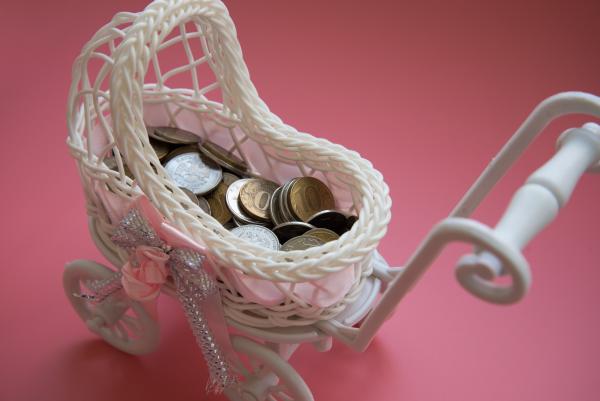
column 535, row 204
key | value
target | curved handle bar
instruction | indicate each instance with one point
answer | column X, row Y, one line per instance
column 533, row 206
column 553, row 107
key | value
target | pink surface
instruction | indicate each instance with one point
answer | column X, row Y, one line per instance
column 428, row 92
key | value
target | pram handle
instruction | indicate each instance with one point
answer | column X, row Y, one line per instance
column 532, row 208
column 498, row 250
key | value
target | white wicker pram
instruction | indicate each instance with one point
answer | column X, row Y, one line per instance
column 124, row 80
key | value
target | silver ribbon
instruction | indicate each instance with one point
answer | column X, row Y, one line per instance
column 194, row 286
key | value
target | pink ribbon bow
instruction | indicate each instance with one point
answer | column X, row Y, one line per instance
column 151, row 261
column 142, row 282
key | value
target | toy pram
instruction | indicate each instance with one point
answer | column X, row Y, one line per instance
column 122, row 82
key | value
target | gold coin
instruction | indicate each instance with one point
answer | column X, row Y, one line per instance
column 307, row 196
column 111, row 163
column 301, row 243
column 255, row 198
column 190, row 195
column 198, row 200
column 161, row 149
column 233, row 204
column 224, row 157
column 323, row 234
column 204, row 205
column 218, row 207
column 173, row 135
column 229, row 178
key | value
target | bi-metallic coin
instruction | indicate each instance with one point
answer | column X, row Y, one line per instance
column 232, row 201
column 255, row 197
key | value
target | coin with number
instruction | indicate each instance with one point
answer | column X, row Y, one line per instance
column 258, row 235
column 255, row 198
column 323, row 234
column 301, row 243
column 287, row 231
column 192, row 171
column 308, row 196
column 331, row 219
column 218, row 205
column 232, row 201
column 173, row 135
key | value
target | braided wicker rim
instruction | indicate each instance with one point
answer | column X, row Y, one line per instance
column 241, row 101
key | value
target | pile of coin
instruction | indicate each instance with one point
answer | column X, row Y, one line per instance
column 297, row 215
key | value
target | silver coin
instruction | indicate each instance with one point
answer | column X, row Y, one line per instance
column 284, row 201
column 194, row 172
column 237, row 223
column 258, row 235
column 274, row 210
column 232, row 201
column 173, row 135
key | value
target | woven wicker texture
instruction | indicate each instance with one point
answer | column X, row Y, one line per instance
column 125, row 78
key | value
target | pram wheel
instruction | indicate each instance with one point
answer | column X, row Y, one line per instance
column 121, row 322
column 265, row 375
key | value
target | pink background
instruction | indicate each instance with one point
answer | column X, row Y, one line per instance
column 427, row 91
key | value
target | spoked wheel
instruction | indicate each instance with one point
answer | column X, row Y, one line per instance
column 121, row 322
column 265, row 376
